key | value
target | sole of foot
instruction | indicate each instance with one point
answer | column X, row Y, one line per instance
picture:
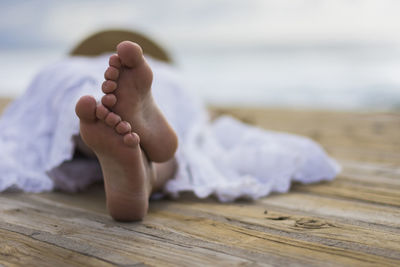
column 127, row 89
column 127, row 173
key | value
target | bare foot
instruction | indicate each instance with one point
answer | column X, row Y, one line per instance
column 128, row 176
column 128, row 94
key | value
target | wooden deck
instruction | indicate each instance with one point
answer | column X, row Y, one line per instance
column 352, row 221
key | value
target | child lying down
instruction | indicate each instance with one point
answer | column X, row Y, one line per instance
column 142, row 138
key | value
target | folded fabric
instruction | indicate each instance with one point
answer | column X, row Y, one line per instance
column 225, row 158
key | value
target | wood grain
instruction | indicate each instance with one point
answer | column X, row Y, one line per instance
column 21, row 250
column 351, row 221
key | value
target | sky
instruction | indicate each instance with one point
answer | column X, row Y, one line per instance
column 334, row 47
column 49, row 23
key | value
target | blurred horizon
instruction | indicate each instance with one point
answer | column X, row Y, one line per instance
column 307, row 54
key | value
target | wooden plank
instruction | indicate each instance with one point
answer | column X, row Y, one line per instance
column 374, row 169
column 361, row 192
column 21, row 250
column 245, row 240
column 346, row 234
column 292, row 250
column 370, row 174
column 343, row 210
column 100, row 237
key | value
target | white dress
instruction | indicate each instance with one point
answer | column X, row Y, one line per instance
column 225, row 158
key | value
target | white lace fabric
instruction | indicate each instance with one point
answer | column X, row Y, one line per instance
column 225, row 158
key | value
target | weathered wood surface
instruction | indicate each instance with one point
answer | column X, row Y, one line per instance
column 352, row 221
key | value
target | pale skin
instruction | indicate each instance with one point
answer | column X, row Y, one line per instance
column 129, row 135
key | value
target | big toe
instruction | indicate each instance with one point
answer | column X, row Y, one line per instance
column 86, row 108
column 131, row 54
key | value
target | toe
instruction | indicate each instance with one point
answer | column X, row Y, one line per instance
column 86, row 108
column 112, row 119
column 101, row 112
column 130, row 54
column 109, row 100
column 131, row 139
column 115, row 61
column 111, row 73
column 123, row 127
column 109, row 86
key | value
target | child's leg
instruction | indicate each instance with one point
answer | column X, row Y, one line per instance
column 164, row 171
column 124, row 143
column 128, row 94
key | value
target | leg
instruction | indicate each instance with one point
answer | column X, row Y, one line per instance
column 127, row 174
column 164, row 171
column 112, row 129
column 128, row 94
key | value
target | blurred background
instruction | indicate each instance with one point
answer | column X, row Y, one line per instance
column 320, row 54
